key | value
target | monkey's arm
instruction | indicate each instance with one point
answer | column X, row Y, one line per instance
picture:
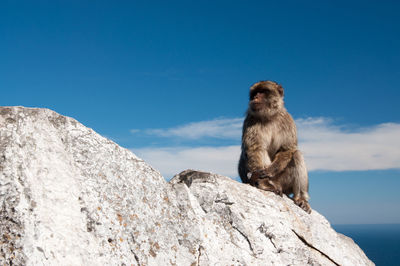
column 257, row 158
column 280, row 162
column 288, row 139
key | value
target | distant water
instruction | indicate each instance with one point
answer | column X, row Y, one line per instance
column 380, row 242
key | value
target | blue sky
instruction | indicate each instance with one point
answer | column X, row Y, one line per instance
column 169, row 80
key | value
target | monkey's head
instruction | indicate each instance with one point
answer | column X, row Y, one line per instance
column 266, row 99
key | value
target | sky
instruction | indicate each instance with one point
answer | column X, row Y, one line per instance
column 169, row 80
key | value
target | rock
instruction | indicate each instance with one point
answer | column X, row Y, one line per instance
column 69, row 196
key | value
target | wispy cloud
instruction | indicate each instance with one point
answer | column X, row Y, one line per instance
column 172, row 160
column 326, row 146
column 217, row 128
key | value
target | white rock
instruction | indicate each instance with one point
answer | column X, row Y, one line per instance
column 71, row 197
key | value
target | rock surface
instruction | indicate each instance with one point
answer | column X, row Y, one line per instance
column 71, row 197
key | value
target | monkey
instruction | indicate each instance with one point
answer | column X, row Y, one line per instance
column 270, row 159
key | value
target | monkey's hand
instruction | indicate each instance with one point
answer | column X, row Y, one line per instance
column 253, row 178
column 279, row 164
column 263, row 173
column 256, row 176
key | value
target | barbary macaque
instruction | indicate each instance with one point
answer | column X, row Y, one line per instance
column 270, row 159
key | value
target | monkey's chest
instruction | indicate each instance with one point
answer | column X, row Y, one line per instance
column 263, row 141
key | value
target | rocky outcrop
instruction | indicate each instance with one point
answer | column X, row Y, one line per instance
column 68, row 196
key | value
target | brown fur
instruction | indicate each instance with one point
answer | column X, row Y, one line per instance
column 269, row 146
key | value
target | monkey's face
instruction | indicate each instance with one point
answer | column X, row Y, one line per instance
column 266, row 99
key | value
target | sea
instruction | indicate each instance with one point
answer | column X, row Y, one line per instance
column 380, row 242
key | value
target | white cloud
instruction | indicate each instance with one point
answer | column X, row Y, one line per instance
column 330, row 147
column 217, row 128
column 170, row 161
column 326, row 146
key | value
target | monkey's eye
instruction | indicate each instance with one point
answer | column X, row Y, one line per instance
column 255, row 92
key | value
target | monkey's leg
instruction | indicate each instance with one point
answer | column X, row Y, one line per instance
column 243, row 170
column 295, row 180
column 280, row 163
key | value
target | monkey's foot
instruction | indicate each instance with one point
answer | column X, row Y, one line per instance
column 303, row 204
column 267, row 185
column 276, row 191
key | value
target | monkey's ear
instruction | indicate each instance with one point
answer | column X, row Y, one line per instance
column 280, row 90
